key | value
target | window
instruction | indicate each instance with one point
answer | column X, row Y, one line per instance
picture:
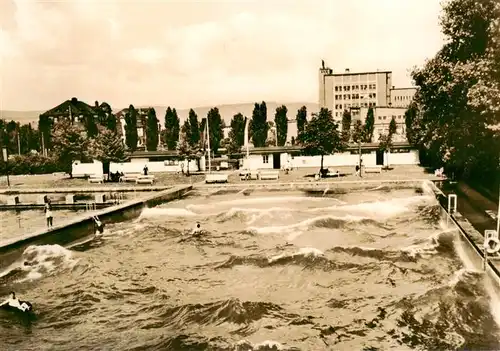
column 265, row 158
column 374, row 95
column 336, row 88
column 384, row 117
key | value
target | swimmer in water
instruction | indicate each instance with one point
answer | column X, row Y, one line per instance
column 99, row 226
column 197, row 230
column 12, row 301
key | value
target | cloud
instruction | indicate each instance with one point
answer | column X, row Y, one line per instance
column 191, row 54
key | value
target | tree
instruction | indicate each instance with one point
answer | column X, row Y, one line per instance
column 301, row 120
column 385, row 140
column 369, row 126
column 90, row 125
column 107, row 147
column 458, row 95
column 215, row 128
column 184, row 149
column 357, row 131
column 258, row 125
column 172, row 128
column 44, row 128
column 69, row 144
column 237, row 133
column 152, row 131
column 412, row 121
column 346, row 126
column 131, row 136
column 321, row 136
column 106, row 116
column 281, row 124
column 194, row 133
column 11, row 130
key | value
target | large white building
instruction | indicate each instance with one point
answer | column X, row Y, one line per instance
column 358, row 91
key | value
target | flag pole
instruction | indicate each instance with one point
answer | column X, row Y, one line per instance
column 208, row 145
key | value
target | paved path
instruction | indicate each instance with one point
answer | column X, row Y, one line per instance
column 94, row 189
column 479, row 210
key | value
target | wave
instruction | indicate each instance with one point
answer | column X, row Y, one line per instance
column 453, row 315
column 165, row 211
column 326, row 221
column 224, row 311
column 258, row 200
column 306, row 257
column 380, row 210
column 190, row 342
column 251, row 215
column 38, row 261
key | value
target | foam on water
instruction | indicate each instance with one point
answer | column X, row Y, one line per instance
column 38, row 261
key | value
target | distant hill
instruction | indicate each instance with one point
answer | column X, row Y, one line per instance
column 23, row 117
column 227, row 111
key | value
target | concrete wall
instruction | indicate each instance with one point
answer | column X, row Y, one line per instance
column 84, row 169
column 83, row 227
column 153, row 166
column 337, row 160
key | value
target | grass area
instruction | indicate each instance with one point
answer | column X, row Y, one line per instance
column 63, row 181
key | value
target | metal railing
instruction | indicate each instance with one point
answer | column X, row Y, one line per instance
column 90, row 206
column 443, row 201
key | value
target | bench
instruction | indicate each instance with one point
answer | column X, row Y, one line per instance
column 95, row 178
column 373, row 169
column 331, row 174
column 269, row 175
column 216, row 178
column 129, row 177
column 145, row 179
column 249, row 175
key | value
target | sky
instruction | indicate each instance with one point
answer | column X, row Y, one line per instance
column 202, row 53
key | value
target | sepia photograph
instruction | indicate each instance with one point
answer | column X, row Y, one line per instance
column 249, row 175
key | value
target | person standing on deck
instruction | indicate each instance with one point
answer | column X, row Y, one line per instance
column 145, row 170
column 48, row 213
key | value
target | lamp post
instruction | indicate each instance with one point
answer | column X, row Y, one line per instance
column 6, row 159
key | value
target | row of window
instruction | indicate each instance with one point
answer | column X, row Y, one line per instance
column 354, row 96
column 395, row 117
column 355, row 87
column 355, row 104
column 400, row 130
column 403, row 98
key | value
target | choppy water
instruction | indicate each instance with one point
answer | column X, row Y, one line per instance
column 363, row 271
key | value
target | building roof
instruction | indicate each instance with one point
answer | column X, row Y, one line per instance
column 407, row 88
column 77, row 108
column 357, row 73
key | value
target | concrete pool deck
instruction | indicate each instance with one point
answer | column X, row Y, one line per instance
column 82, row 226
